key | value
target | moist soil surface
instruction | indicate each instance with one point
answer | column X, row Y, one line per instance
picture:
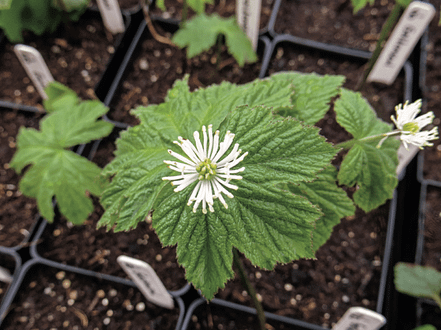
column 17, row 212
column 333, row 22
column 75, row 54
column 50, row 298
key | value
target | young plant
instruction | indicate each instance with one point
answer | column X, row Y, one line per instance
column 55, row 170
column 203, row 32
column 419, row 281
column 244, row 177
column 38, row 16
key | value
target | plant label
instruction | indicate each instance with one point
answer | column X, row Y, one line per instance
column 402, row 41
column 5, row 276
column 111, row 14
column 35, row 67
column 5, row 4
column 147, row 281
column 405, row 156
column 360, row 318
column 248, row 18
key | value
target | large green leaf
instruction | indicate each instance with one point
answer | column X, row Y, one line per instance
column 371, row 169
column 267, row 224
column 138, row 168
column 332, row 200
column 418, row 281
column 313, row 94
column 201, row 32
column 56, row 171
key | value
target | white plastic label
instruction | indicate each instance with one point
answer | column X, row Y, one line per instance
column 5, row 276
column 34, row 66
column 5, row 4
column 248, row 18
column 147, row 281
column 111, row 14
column 405, row 156
column 402, row 41
column 360, row 318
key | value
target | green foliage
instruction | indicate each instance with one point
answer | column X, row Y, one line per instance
column 5, row 4
column 418, row 281
column 201, row 33
column 38, row 16
column 371, row 169
column 312, row 95
column 55, row 170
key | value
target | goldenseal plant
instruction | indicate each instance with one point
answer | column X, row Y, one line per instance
column 241, row 168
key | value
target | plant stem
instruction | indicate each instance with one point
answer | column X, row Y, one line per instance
column 385, row 31
column 250, row 289
column 350, row 143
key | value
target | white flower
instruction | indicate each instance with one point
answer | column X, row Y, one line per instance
column 205, row 166
column 410, row 125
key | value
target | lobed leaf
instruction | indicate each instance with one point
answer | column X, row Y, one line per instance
column 56, row 171
column 372, row 169
column 201, row 33
column 141, row 149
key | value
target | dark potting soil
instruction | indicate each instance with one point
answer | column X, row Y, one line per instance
column 211, row 316
column 85, row 246
column 224, row 8
column 346, row 273
column 76, row 56
column 53, row 299
column 333, row 22
column 432, row 155
column 432, row 233
column 17, row 212
column 155, row 67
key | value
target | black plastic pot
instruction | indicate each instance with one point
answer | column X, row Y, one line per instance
column 34, row 272
column 141, row 35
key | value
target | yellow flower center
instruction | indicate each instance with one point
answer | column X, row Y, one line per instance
column 411, row 127
column 206, row 170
